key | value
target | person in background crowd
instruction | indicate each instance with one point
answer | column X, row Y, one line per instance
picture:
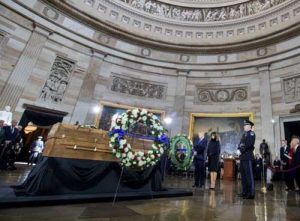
column 277, row 167
column 265, row 152
column 11, row 138
column 258, row 167
column 2, row 139
column 199, row 159
column 221, row 168
column 213, row 153
column 295, row 162
column 291, row 173
column 284, row 157
column 37, row 148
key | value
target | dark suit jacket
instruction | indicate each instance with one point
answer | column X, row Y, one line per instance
column 200, row 148
column 283, row 158
column 9, row 135
column 296, row 158
column 2, row 135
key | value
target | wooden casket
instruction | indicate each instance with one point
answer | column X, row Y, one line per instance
column 75, row 142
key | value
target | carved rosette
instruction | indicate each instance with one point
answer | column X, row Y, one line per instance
column 138, row 88
column 213, row 95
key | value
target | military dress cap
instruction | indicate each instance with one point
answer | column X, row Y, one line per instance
column 248, row 122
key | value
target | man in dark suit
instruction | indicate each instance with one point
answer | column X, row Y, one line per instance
column 2, row 139
column 284, row 152
column 246, row 147
column 296, row 159
column 11, row 138
column 2, row 132
column 200, row 146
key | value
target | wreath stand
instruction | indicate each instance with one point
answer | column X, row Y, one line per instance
column 120, row 178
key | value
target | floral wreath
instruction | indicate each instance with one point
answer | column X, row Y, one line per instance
column 123, row 150
column 185, row 151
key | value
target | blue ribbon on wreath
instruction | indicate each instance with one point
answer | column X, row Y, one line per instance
column 183, row 150
column 163, row 139
column 120, row 133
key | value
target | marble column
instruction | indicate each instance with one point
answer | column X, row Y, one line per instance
column 178, row 115
column 15, row 85
column 84, row 109
column 267, row 126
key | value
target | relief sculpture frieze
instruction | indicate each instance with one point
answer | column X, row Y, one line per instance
column 58, row 80
column 203, row 14
column 137, row 87
column 221, row 94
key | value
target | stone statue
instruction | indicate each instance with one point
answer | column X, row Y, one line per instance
column 267, row 5
column 223, row 14
column 6, row 115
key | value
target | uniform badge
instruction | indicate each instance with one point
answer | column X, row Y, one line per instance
column 252, row 133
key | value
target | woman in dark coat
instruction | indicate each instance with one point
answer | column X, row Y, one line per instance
column 213, row 153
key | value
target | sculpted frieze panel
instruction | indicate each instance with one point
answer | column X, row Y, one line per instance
column 138, row 88
column 203, row 14
column 221, row 94
column 291, row 89
column 58, row 80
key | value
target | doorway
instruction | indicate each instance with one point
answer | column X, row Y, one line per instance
column 291, row 128
column 43, row 118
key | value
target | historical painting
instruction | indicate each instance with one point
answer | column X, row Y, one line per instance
column 228, row 126
column 111, row 110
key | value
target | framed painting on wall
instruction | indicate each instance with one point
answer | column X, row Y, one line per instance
column 229, row 127
column 109, row 110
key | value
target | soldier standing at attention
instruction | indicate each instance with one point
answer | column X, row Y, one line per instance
column 246, row 148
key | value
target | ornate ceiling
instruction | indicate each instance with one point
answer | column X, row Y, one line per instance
column 207, row 25
column 202, row 3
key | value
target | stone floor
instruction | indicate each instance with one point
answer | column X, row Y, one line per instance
column 222, row 204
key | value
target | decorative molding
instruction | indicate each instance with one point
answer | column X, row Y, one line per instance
column 221, row 94
column 146, row 28
column 291, row 88
column 58, row 80
column 203, row 14
column 262, row 52
column 145, row 52
column 184, row 58
column 89, row 2
column 50, row 13
column 138, row 88
column 222, row 58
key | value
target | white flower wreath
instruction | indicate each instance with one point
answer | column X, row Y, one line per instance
column 123, row 150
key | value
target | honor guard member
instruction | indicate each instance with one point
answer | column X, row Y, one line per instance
column 246, row 148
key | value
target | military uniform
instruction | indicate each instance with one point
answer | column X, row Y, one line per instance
column 246, row 148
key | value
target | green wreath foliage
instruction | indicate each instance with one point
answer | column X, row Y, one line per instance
column 181, row 151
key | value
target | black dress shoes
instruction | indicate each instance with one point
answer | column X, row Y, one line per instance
column 250, row 197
